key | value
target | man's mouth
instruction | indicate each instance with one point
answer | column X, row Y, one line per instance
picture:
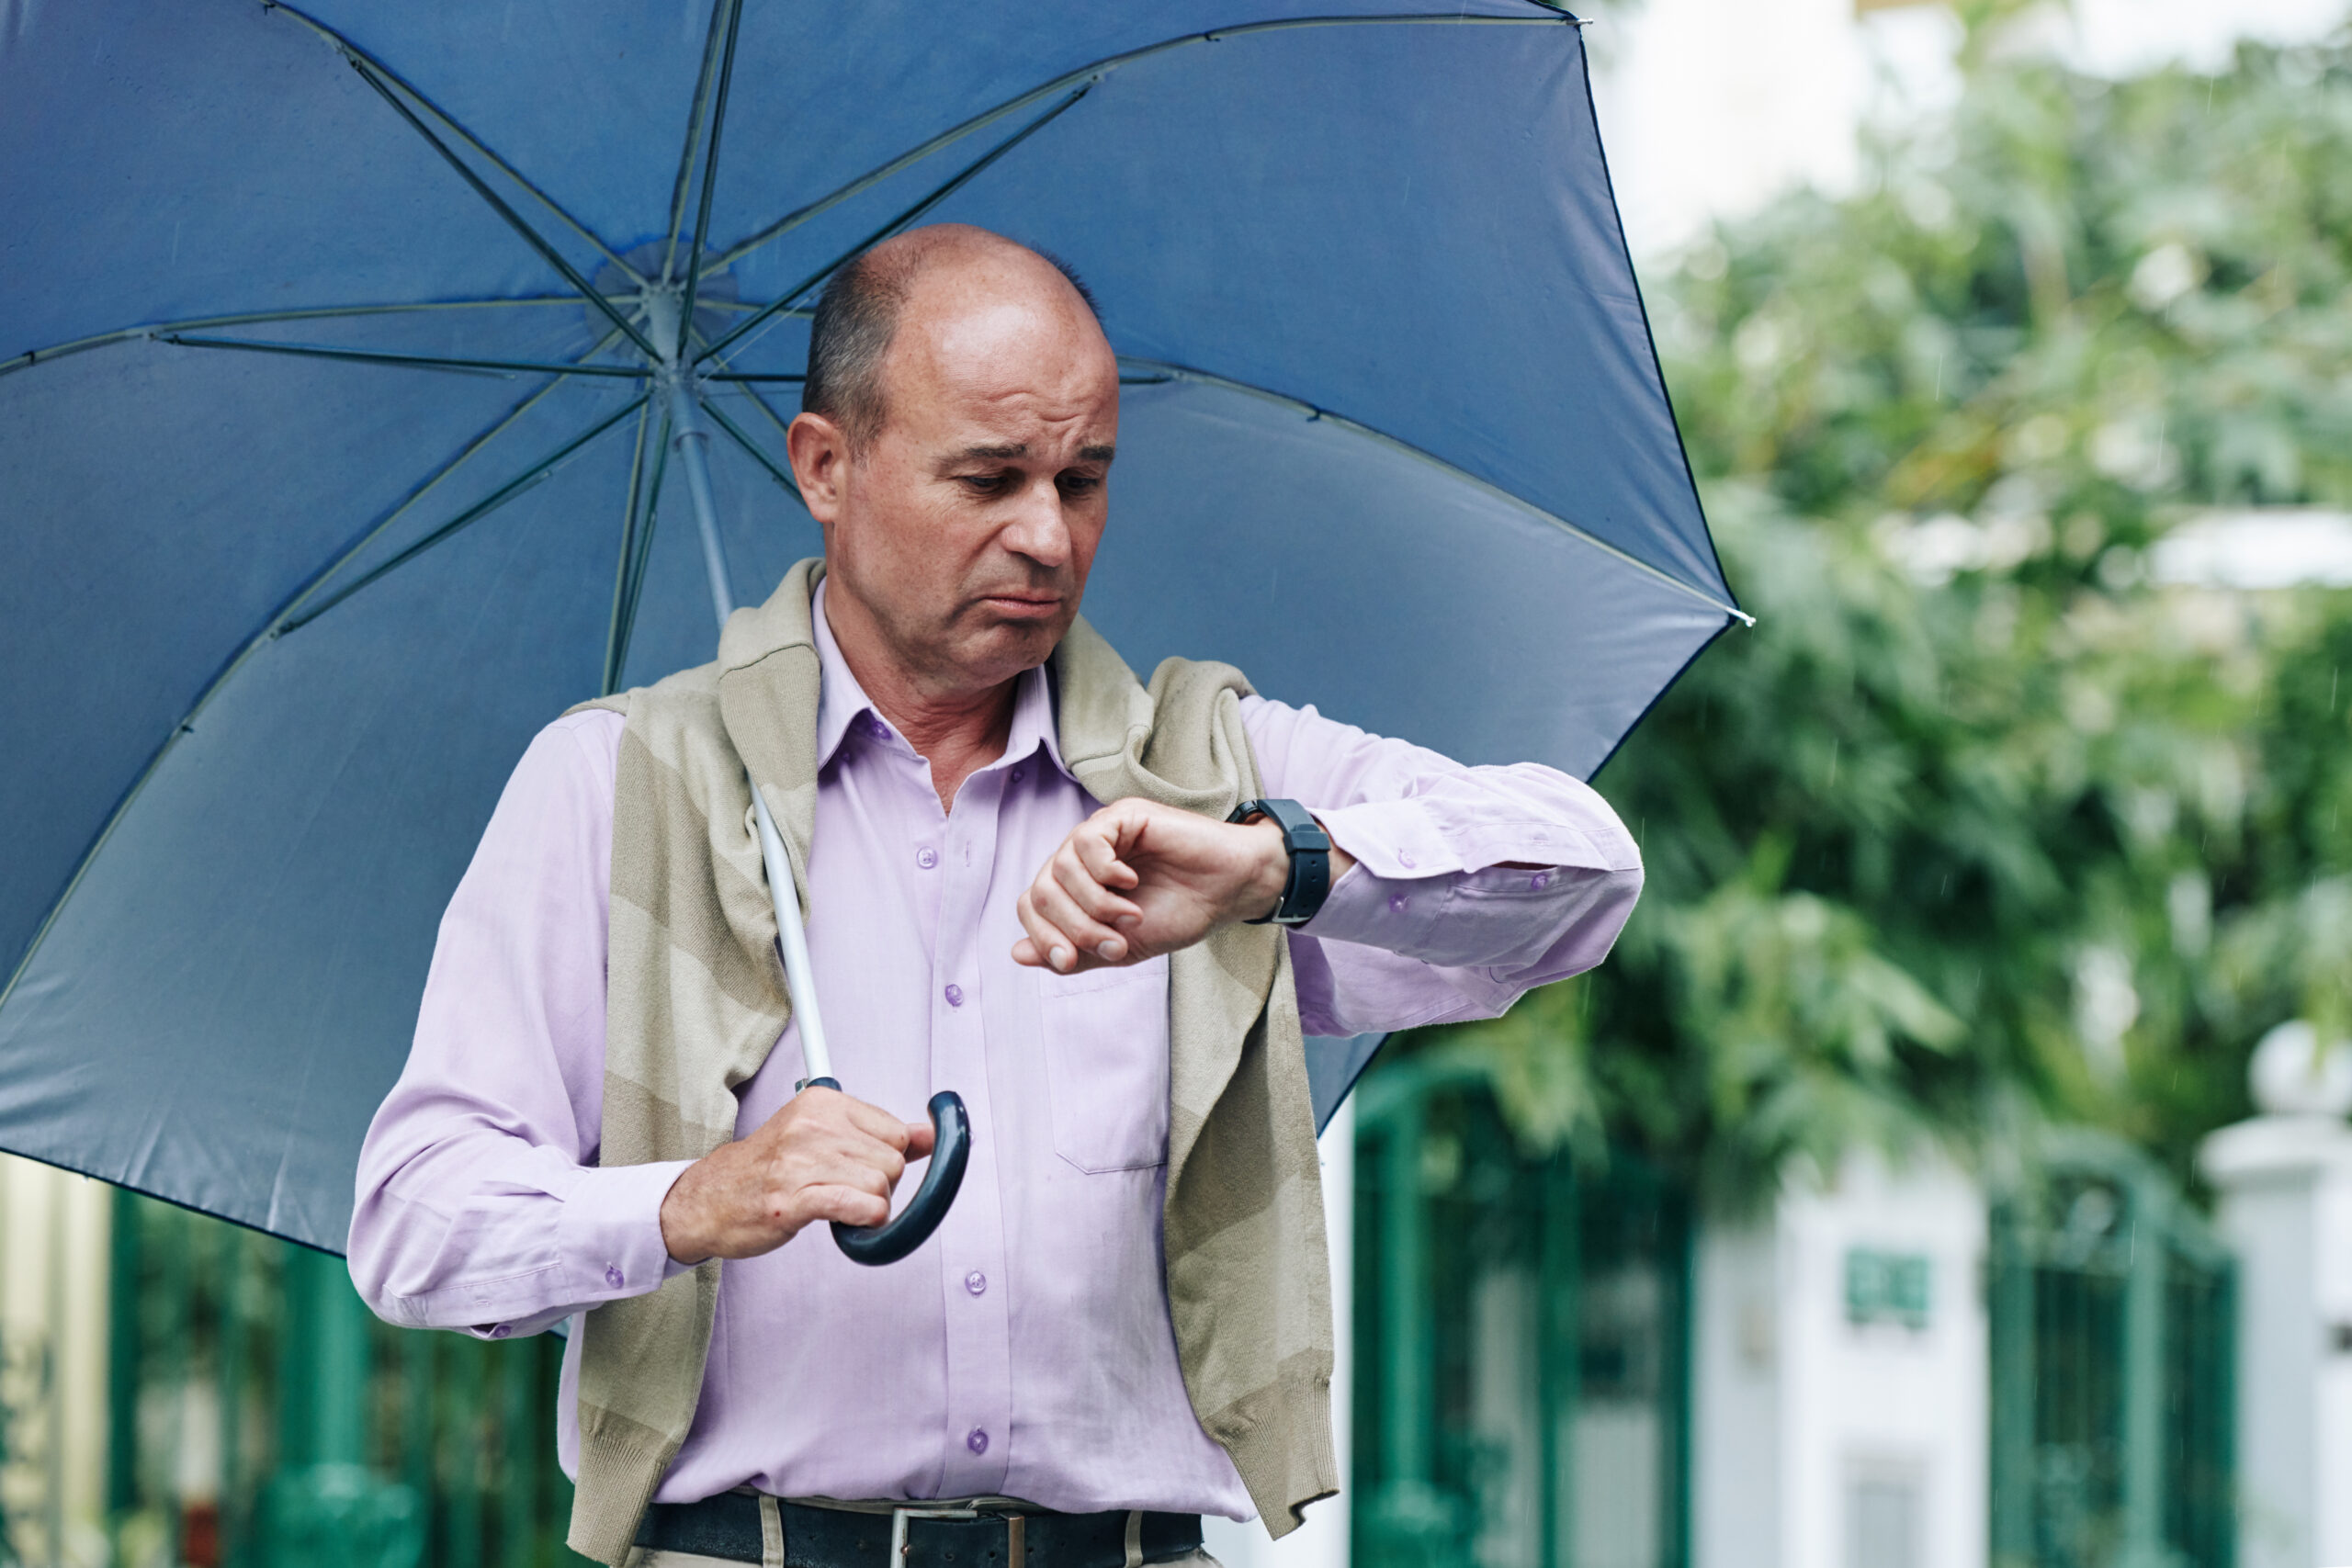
column 1023, row 606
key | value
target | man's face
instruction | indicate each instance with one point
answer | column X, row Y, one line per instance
column 966, row 525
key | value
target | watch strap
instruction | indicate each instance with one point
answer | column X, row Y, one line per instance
column 1309, row 848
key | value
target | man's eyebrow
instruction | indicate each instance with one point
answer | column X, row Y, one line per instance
column 998, row 454
column 1103, row 452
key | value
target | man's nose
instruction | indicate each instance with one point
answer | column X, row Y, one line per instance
column 1038, row 530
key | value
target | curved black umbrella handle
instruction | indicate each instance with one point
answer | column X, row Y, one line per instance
column 951, row 1131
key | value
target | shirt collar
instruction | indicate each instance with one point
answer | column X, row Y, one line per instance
column 842, row 703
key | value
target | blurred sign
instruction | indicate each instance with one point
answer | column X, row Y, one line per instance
column 1886, row 1287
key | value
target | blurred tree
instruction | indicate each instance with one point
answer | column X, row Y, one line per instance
column 1978, row 826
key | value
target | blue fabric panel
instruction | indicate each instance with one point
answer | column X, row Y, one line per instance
column 173, row 160
column 591, row 99
column 161, row 503
column 1337, row 571
column 231, row 990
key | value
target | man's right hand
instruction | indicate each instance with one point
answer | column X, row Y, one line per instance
column 822, row 1156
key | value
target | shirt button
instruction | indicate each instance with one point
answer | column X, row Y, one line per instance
column 875, row 727
column 976, row 1283
column 1405, row 860
column 955, row 996
column 1017, row 773
column 502, row 1331
column 1540, row 880
column 614, row 1277
column 978, row 1441
column 1397, row 902
column 926, row 857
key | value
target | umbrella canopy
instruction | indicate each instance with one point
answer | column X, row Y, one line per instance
column 342, row 389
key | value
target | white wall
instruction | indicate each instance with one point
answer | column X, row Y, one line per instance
column 1821, row 1443
column 1709, row 109
column 1322, row 1540
column 2285, row 1208
column 53, row 1231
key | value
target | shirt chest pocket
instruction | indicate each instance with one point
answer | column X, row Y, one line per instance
column 1106, row 1065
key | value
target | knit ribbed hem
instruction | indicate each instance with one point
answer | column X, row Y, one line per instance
column 620, row 1466
column 1280, row 1441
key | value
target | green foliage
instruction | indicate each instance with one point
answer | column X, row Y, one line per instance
column 1978, row 827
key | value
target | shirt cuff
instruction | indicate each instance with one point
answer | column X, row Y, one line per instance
column 1379, row 911
column 609, row 1238
column 1394, row 839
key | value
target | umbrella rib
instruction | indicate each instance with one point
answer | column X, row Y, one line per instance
column 356, row 56
column 962, row 177
column 32, row 356
column 782, row 476
column 1164, row 371
column 685, row 181
column 617, row 652
column 529, row 478
column 270, row 629
column 629, row 547
column 709, row 174
column 409, row 361
column 408, row 502
column 530, row 236
column 1095, row 71
column 783, row 426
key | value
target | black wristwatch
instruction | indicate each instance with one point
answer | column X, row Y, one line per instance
column 1310, row 858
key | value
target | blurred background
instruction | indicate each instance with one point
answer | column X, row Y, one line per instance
column 1951, row 1167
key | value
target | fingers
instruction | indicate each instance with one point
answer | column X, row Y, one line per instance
column 1097, row 840
column 1057, row 919
column 1074, row 913
column 920, row 1139
column 1080, row 870
column 878, row 1123
column 846, row 1205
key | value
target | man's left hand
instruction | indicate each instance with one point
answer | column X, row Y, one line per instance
column 1138, row 879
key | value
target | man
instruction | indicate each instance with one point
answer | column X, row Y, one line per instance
column 1116, row 1329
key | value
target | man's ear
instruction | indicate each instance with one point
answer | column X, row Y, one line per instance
column 818, row 452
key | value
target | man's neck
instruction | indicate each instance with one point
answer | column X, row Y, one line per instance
column 957, row 731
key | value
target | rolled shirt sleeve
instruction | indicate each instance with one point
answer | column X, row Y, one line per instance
column 1472, row 885
column 480, row 1206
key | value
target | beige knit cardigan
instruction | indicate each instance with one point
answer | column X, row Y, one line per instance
column 696, row 998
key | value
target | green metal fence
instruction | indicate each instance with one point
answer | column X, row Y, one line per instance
column 1522, row 1330
column 2113, row 1336
column 260, row 1415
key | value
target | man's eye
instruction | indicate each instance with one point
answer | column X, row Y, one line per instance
column 981, row 484
column 1080, row 484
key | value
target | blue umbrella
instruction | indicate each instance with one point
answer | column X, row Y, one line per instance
column 376, row 379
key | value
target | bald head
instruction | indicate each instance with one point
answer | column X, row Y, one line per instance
column 858, row 316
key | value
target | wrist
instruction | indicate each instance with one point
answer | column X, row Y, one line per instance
column 1269, row 871
column 681, row 1237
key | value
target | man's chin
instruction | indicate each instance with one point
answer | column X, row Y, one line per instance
column 1014, row 645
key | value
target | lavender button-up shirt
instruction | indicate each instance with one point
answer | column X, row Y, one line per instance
column 1024, row 1350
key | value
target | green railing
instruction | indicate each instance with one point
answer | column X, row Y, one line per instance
column 1523, row 1330
column 2113, row 1343
column 259, row 1414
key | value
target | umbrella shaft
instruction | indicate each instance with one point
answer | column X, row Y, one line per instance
column 691, row 440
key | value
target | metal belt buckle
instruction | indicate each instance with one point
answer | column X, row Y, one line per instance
column 899, row 1518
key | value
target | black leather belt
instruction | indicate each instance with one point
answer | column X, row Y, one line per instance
column 925, row 1536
